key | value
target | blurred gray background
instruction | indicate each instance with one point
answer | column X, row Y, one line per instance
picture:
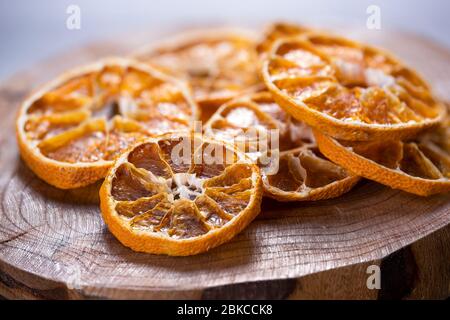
column 34, row 30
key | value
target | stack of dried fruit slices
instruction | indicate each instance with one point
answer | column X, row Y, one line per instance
column 341, row 110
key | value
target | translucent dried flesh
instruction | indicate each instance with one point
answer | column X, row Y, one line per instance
column 205, row 164
column 301, row 167
column 118, row 141
column 166, row 148
column 152, row 217
column 153, row 194
column 350, row 82
column 148, row 157
column 87, row 148
column 131, row 183
column 138, row 207
column 60, row 122
column 284, row 180
column 216, row 68
column 40, row 129
column 213, row 213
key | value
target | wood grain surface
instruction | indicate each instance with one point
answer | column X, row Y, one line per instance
column 54, row 244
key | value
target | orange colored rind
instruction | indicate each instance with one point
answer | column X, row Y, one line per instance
column 421, row 167
column 71, row 130
column 153, row 203
column 348, row 90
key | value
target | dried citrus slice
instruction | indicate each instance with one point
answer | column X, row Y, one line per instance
column 240, row 118
column 70, row 131
column 219, row 63
column 180, row 195
column 305, row 174
column 421, row 167
column 299, row 171
column 349, row 90
column 277, row 31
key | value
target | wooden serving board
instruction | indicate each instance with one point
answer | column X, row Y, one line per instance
column 54, row 244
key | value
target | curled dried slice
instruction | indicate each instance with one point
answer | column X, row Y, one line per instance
column 305, row 174
column 180, row 194
column 299, row 171
column 70, row 131
column 421, row 167
column 348, row 90
column 219, row 63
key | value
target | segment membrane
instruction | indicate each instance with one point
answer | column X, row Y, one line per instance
column 131, row 209
column 230, row 204
column 147, row 156
column 131, row 183
column 184, row 221
column 151, row 220
column 85, row 143
column 211, row 211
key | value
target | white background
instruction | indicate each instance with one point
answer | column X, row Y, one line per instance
column 33, row 30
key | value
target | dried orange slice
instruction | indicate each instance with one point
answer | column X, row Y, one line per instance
column 238, row 119
column 180, row 195
column 219, row 63
column 421, row 167
column 299, row 171
column 306, row 175
column 71, row 130
column 348, row 90
column 278, row 30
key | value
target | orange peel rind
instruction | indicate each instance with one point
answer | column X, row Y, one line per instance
column 153, row 204
column 420, row 167
column 70, row 131
column 348, row 90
